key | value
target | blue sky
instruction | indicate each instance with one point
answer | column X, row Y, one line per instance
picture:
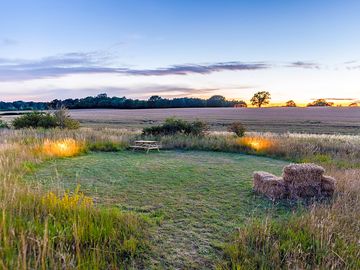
column 295, row 49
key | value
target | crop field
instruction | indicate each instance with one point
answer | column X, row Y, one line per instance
column 200, row 197
column 318, row 120
column 304, row 120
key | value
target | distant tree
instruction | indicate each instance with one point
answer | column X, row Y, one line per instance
column 260, row 98
column 320, row 103
column 354, row 104
column 103, row 95
column 240, row 104
column 216, row 101
column 290, row 103
column 154, row 98
column 155, row 102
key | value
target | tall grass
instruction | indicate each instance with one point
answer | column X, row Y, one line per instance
column 339, row 151
column 326, row 237
column 56, row 230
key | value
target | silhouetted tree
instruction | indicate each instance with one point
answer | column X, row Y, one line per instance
column 240, row 104
column 290, row 103
column 260, row 98
column 216, row 101
column 320, row 103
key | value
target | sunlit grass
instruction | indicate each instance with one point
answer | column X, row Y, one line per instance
column 62, row 148
column 256, row 143
column 68, row 200
column 57, row 230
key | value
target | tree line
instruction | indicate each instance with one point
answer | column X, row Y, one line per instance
column 103, row 101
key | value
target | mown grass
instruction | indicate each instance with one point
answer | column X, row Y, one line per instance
column 197, row 197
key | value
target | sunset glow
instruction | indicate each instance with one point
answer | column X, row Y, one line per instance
column 256, row 143
column 62, row 148
column 66, row 49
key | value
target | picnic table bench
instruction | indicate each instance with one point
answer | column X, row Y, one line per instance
column 146, row 145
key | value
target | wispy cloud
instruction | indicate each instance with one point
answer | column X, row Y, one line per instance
column 199, row 69
column 302, row 64
column 95, row 62
column 102, row 62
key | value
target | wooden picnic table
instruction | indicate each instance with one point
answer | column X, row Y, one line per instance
column 146, row 145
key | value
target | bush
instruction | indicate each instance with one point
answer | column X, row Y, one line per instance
column 197, row 128
column 35, row 120
column 174, row 126
column 59, row 118
column 238, row 128
column 71, row 123
column 64, row 120
column 3, row 124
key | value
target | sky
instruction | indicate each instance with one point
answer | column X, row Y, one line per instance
column 300, row 50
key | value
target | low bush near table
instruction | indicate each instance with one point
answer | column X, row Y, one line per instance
column 174, row 126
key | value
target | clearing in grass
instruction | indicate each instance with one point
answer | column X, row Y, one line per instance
column 198, row 198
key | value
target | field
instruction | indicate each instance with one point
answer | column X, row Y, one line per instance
column 199, row 196
column 191, row 206
column 319, row 120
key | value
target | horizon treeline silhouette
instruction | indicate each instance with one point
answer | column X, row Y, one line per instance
column 103, row 101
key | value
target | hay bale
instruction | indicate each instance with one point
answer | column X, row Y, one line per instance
column 306, row 174
column 299, row 181
column 270, row 185
column 327, row 186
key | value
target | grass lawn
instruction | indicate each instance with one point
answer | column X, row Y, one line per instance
column 200, row 196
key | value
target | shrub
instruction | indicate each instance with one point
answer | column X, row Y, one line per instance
column 60, row 118
column 238, row 128
column 174, row 126
column 197, row 128
column 64, row 120
column 35, row 120
column 3, row 124
column 71, row 123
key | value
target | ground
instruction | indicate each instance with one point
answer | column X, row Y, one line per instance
column 201, row 197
